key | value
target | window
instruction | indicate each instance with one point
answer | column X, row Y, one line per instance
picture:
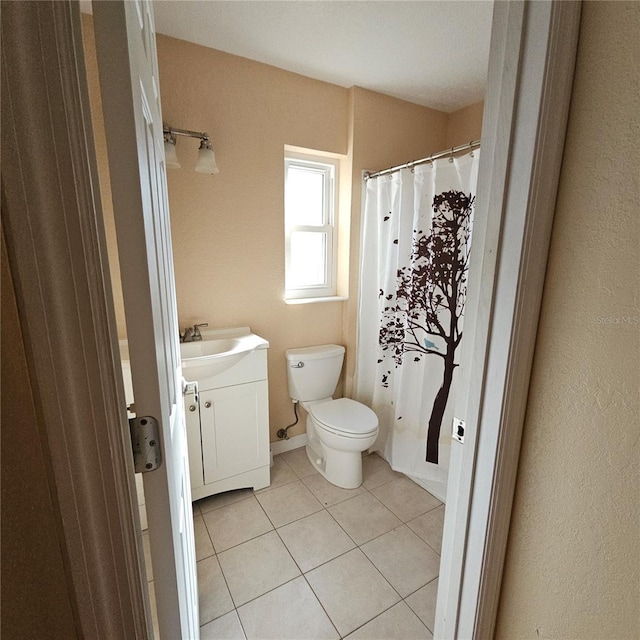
column 310, row 226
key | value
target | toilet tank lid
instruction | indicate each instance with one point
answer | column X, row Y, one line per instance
column 315, row 353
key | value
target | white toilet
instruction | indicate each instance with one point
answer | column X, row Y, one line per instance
column 338, row 431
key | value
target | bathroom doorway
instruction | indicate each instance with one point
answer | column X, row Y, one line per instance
column 510, row 27
column 512, row 19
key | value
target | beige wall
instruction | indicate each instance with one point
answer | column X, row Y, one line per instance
column 572, row 566
column 464, row 125
column 228, row 229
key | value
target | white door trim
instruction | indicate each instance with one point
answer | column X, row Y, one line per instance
column 57, row 250
column 532, row 61
column 126, row 55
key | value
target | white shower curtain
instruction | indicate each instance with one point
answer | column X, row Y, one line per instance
column 415, row 255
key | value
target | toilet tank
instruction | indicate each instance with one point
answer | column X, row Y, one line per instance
column 313, row 372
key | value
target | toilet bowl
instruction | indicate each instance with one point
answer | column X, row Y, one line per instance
column 339, row 430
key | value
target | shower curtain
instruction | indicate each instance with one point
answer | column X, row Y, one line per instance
column 416, row 239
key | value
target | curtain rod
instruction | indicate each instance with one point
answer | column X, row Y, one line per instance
column 474, row 144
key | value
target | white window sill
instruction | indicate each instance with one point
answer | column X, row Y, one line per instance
column 310, row 300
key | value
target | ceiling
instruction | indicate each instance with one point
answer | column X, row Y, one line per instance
column 431, row 52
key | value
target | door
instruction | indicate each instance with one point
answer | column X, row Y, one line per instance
column 126, row 51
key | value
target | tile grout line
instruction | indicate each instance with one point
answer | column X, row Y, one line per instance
column 224, row 577
column 302, row 573
column 385, row 611
column 416, row 591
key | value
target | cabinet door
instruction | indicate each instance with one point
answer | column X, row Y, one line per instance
column 235, row 430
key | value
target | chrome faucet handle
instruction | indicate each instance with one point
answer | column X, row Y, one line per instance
column 196, row 330
column 187, row 336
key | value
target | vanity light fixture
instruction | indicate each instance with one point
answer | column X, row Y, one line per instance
column 206, row 158
column 170, row 155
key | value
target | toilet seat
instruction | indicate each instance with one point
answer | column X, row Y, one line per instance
column 345, row 417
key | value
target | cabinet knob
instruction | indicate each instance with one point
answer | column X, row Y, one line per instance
column 192, row 407
column 207, row 404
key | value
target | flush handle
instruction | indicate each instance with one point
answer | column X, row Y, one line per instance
column 298, row 365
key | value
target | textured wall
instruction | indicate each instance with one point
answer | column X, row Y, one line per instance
column 572, row 567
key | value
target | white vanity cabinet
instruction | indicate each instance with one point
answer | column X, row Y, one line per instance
column 228, row 428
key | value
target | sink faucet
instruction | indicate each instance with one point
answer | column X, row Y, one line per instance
column 196, row 330
column 192, row 334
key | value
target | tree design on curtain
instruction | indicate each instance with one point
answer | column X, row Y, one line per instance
column 429, row 299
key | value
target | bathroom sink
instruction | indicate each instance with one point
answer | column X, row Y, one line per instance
column 204, row 348
column 217, row 351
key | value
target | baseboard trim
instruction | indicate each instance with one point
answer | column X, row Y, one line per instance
column 280, row 446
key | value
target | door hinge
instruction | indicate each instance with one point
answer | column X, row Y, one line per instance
column 145, row 443
column 458, row 430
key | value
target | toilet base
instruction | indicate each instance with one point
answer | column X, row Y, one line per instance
column 341, row 468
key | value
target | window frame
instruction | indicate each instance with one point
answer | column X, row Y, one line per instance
column 330, row 167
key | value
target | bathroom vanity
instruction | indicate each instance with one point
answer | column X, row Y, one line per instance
column 227, row 418
column 226, row 411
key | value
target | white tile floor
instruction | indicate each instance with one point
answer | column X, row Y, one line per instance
column 304, row 559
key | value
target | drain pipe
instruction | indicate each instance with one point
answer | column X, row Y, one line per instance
column 283, row 433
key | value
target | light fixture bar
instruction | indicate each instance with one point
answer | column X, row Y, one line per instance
column 186, row 132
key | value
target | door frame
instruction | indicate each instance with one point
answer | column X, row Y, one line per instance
column 56, row 245
column 531, row 66
column 70, row 333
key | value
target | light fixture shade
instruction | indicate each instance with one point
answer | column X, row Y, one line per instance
column 206, row 159
column 170, row 155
